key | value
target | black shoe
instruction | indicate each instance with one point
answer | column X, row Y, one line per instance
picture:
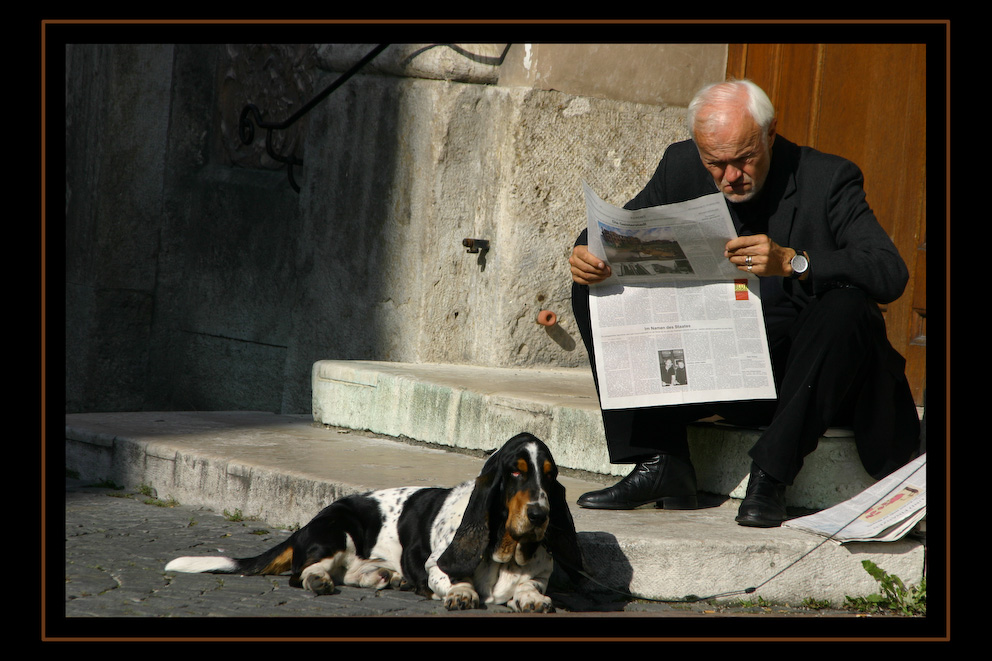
column 764, row 503
column 663, row 479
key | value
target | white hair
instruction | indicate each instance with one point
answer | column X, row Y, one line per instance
column 729, row 93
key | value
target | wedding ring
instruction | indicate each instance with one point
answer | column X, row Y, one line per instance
column 748, row 267
column 747, row 260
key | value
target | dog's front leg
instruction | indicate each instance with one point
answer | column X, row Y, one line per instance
column 529, row 597
column 461, row 596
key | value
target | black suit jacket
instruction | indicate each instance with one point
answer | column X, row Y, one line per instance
column 816, row 203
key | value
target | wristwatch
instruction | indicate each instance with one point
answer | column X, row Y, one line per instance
column 800, row 264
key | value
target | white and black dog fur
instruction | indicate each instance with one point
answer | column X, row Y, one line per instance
column 491, row 540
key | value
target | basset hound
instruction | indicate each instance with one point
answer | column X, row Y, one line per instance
column 491, row 540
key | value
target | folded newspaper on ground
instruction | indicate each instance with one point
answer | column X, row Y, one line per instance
column 884, row 512
column 676, row 322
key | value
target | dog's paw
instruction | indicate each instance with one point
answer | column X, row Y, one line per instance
column 531, row 601
column 317, row 580
column 370, row 574
column 461, row 597
column 378, row 578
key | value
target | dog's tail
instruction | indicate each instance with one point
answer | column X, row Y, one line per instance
column 276, row 560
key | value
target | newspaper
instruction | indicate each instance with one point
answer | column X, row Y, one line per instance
column 884, row 512
column 676, row 322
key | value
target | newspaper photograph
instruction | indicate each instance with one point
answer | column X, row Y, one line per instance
column 883, row 512
column 676, row 323
column 669, row 243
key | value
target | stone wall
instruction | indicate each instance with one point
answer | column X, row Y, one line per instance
column 197, row 278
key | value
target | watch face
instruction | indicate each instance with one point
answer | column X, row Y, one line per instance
column 799, row 263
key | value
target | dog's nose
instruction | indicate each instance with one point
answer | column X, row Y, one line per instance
column 537, row 514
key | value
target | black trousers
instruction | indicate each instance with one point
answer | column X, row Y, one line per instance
column 834, row 366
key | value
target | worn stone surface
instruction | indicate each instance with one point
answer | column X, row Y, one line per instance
column 284, row 469
column 117, row 542
column 197, row 278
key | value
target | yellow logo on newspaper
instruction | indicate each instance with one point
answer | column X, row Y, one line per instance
column 740, row 290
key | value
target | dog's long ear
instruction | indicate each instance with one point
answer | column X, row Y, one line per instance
column 561, row 538
column 469, row 544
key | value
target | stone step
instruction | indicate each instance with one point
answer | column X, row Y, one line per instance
column 473, row 407
column 284, row 469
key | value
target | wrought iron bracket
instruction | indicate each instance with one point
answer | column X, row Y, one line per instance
column 251, row 113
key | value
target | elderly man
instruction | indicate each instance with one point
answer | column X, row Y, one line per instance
column 805, row 228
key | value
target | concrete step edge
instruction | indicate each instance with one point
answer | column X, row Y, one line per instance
column 469, row 407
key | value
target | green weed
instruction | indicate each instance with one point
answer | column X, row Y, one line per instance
column 894, row 595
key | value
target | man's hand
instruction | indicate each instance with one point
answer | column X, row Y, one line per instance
column 766, row 256
column 587, row 269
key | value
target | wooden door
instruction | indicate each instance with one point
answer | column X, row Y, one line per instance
column 845, row 100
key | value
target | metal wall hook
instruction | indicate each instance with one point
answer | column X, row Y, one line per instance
column 475, row 245
column 250, row 113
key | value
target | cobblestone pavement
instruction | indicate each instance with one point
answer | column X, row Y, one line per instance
column 117, row 543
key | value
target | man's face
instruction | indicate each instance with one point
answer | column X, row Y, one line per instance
column 736, row 156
